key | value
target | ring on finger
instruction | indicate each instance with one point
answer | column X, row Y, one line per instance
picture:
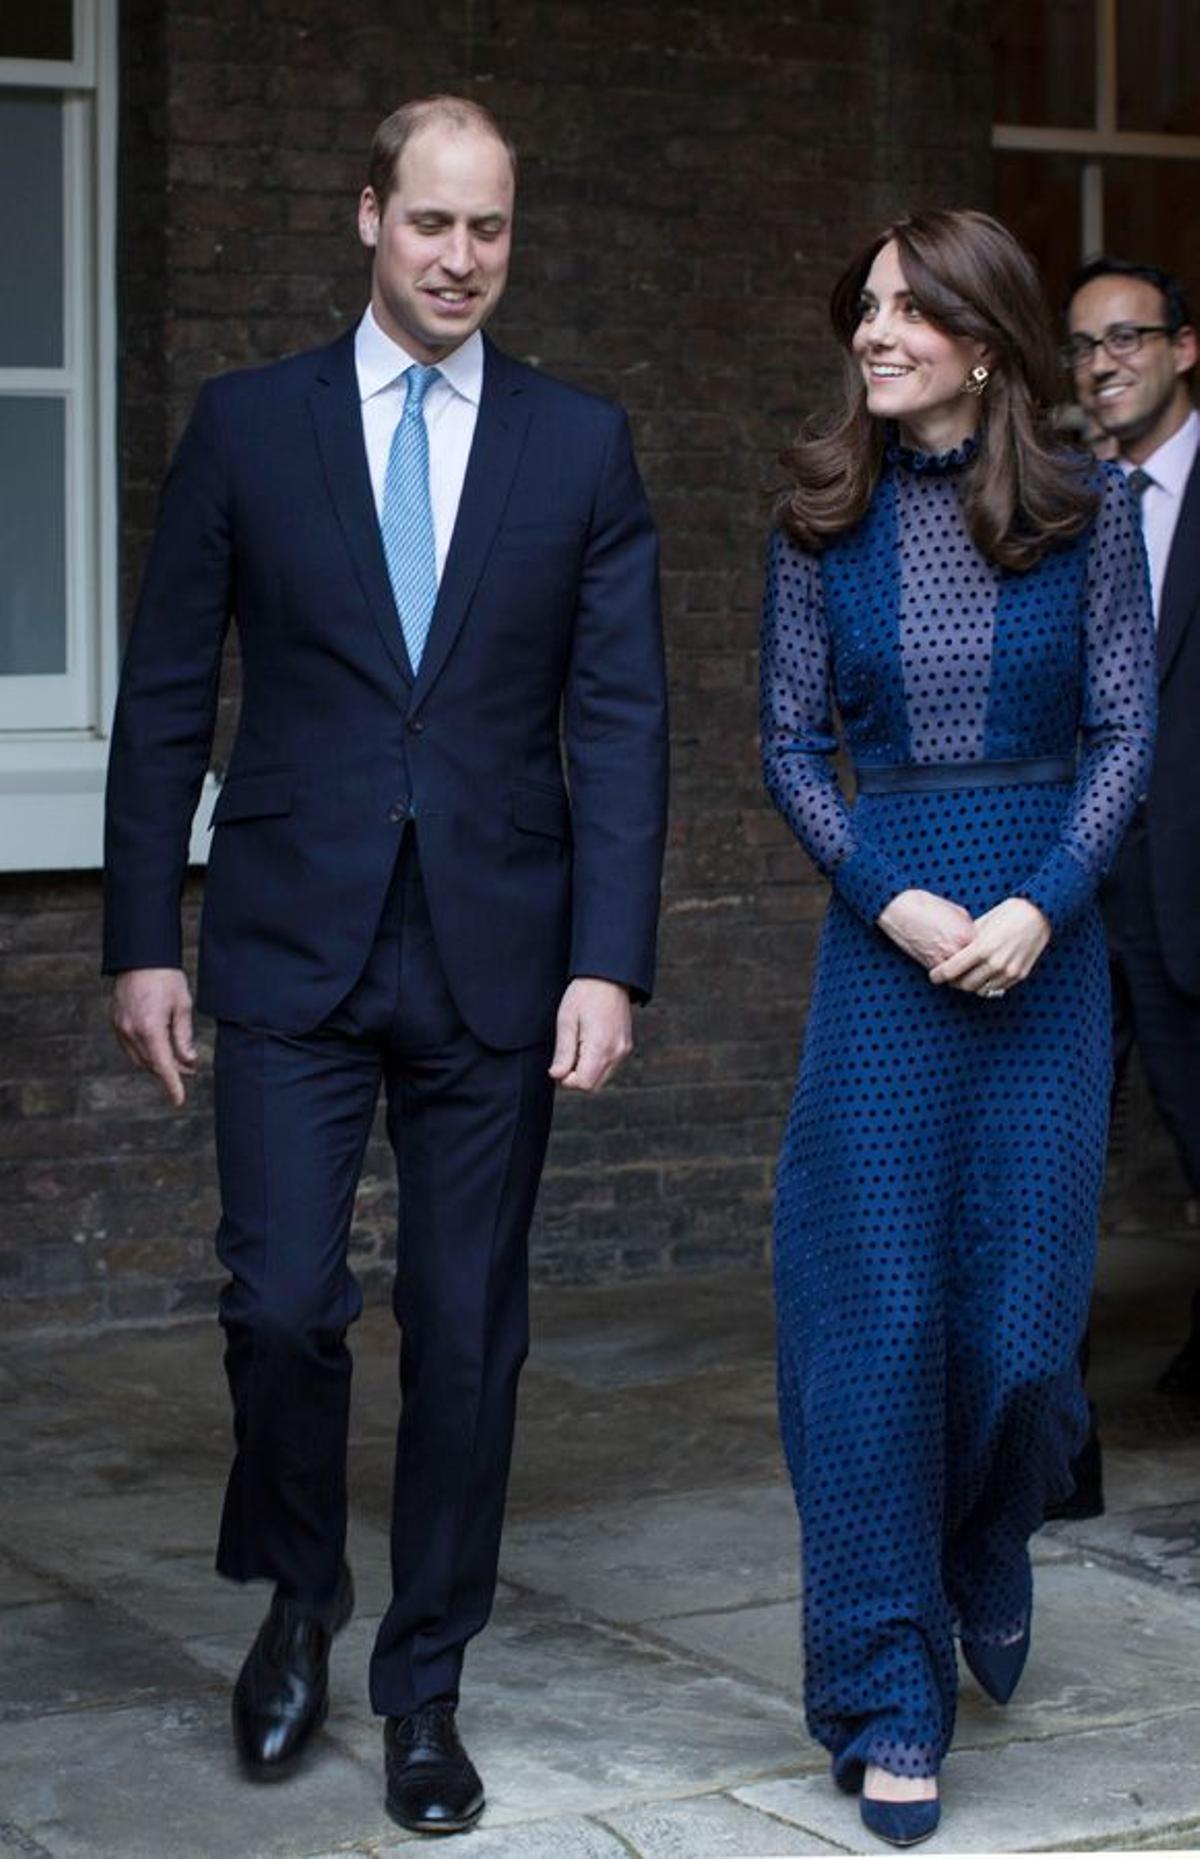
column 993, row 993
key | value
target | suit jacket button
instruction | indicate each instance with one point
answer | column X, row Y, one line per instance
column 398, row 812
column 416, row 725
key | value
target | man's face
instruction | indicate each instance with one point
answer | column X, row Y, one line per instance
column 441, row 245
column 1138, row 399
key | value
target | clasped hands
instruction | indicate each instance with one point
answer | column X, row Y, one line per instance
column 983, row 955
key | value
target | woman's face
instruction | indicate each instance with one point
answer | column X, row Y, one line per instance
column 913, row 371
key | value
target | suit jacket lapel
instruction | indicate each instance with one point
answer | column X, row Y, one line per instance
column 337, row 416
column 1181, row 587
column 495, row 450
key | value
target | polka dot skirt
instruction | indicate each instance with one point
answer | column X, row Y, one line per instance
column 940, row 1174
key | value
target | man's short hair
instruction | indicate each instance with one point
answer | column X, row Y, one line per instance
column 396, row 130
column 1177, row 316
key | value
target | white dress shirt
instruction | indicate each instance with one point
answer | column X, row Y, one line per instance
column 1168, row 470
column 451, row 409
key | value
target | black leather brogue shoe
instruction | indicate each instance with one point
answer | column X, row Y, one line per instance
column 282, row 1694
column 432, row 1784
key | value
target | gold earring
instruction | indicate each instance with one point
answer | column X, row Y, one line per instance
column 977, row 380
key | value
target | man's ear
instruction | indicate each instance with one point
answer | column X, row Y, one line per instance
column 1186, row 344
column 368, row 218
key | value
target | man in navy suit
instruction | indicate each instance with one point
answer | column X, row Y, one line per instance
column 444, row 577
column 1133, row 352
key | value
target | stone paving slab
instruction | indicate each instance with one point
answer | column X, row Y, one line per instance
column 1138, row 1656
column 19, row 1585
column 1093, row 1789
column 148, row 1784
column 1163, row 1540
column 180, row 1593
column 63, row 1655
column 107, row 1536
column 609, row 1718
column 174, row 1374
column 1135, row 1479
column 643, row 1344
column 711, row 1827
column 636, row 1562
column 759, row 1642
column 568, row 1837
column 152, row 1553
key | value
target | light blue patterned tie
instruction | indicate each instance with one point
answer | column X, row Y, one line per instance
column 407, row 517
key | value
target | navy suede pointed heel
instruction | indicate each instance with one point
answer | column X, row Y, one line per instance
column 998, row 1668
column 900, row 1823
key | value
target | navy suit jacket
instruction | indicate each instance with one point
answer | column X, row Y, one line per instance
column 545, row 638
column 1173, row 801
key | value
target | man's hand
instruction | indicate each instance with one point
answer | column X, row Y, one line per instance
column 927, row 927
column 152, row 1018
column 595, row 1033
column 1007, row 942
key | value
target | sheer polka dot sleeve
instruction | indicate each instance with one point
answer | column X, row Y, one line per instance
column 1116, row 730
column 798, row 737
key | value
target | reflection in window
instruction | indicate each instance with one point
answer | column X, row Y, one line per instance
column 1045, row 62
column 1158, row 68
column 1038, row 196
column 31, row 229
column 1150, row 209
column 44, row 30
column 33, row 592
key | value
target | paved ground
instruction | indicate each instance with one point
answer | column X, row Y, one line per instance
column 637, row 1693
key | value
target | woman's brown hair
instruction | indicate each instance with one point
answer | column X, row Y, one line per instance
column 1021, row 491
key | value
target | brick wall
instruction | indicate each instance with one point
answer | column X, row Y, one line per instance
column 692, row 178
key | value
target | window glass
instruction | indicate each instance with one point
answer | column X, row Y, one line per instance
column 1044, row 60
column 1150, row 217
column 33, row 581
column 31, row 229
column 1158, row 69
column 41, row 30
column 1038, row 196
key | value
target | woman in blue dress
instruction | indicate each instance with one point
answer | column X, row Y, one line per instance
column 972, row 601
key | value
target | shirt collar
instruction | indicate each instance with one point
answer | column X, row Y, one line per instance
column 379, row 362
column 1170, row 467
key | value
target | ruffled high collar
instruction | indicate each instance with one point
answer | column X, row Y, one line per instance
column 936, row 464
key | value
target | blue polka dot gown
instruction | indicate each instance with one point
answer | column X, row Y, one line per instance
column 938, row 1187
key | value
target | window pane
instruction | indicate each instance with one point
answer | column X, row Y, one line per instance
column 33, row 580
column 31, row 230
column 1039, row 197
column 1158, row 70
column 1150, row 217
column 1044, row 60
column 41, row 30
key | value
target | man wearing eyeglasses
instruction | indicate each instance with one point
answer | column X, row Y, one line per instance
column 1132, row 352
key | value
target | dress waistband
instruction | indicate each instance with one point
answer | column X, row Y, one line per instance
column 937, row 777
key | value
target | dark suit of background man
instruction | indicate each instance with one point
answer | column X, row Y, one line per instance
column 436, row 578
column 1133, row 351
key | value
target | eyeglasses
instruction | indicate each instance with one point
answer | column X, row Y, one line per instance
column 1120, row 340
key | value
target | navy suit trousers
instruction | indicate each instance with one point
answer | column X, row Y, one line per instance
column 468, row 1126
column 1149, row 1011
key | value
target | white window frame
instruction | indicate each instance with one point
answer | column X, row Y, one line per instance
column 52, row 777
column 1102, row 141
column 66, row 699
